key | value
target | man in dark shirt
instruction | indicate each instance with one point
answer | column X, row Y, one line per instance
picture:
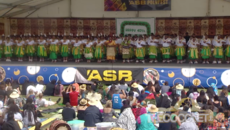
column 50, row 88
column 165, row 88
column 68, row 113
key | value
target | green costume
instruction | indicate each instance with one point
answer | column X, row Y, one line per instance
column 126, row 49
column 218, row 52
column 205, row 52
column 65, row 50
column 53, row 51
column 76, row 52
column 227, row 52
column 41, row 51
column 19, row 51
column 30, row 50
column 8, row 51
column 166, row 52
column 1, row 51
column 193, row 53
column 98, row 52
column 180, row 52
column 140, row 53
column 152, row 52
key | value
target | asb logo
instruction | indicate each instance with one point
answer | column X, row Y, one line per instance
column 109, row 75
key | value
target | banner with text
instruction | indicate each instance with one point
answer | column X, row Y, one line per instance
column 108, row 75
column 134, row 26
column 136, row 5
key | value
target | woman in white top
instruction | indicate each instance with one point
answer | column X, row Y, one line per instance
column 41, row 50
column 205, row 52
column 53, row 48
column 88, row 52
column 8, row 50
column 153, row 44
column 193, row 51
column 30, row 48
column 140, row 53
column 180, row 49
column 77, row 49
column 65, row 49
column 218, row 49
column 99, row 49
column 167, row 41
column 19, row 48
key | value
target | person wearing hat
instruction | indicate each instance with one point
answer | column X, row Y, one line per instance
column 92, row 112
column 14, row 95
column 140, row 51
column 111, row 49
column 218, row 49
column 82, row 90
column 41, row 49
column 77, row 49
column 53, row 48
column 88, row 51
column 81, row 109
column 30, row 48
column 99, row 49
column 180, row 49
column 152, row 51
column 126, row 49
column 8, row 50
column 65, row 48
column 134, row 88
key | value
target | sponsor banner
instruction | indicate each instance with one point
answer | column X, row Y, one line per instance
column 135, row 26
column 108, row 75
column 188, row 76
column 136, row 5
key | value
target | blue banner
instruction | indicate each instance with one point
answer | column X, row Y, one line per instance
column 37, row 73
column 188, row 76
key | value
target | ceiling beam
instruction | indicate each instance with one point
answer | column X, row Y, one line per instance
column 17, row 3
column 32, row 8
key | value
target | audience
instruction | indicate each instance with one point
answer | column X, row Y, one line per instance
column 10, row 123
column 117, row 98
column 68, row 114
column 108, row 113
column 49, row 91
column 15, row 110
column 58, row 89
column 144, row 121
column 73, row 97
column 165, row 88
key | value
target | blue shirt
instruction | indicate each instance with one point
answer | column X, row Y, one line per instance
column 117, row 101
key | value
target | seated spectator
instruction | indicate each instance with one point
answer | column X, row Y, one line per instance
column 101, row 91
column 183, row 94
column 81, row 109
column 127, row 120
column 132, row 99
column 3, row 95
column 189, row 124
column 31, row 87
column 68, row 114
column 76, row 85
column 201, row 99
column 194, row 94
column 73, row 97
column 144, row 121
column 49, row 91
column 123, row 85
column 41, row 102
column 140, row 87
column 65, row 96
column 175, row 97
column 111, row 92
column 10, row 123
column 94, row 86
column 31, row 95
column 92, row 113
column 165, row 88
column 38, row 126
column 24, row 86
column 18, row 101
column 134, row 88
column 217, row 103
column 83, row 91
column 210, row 92
column 142, row 96
column 29, row 114
column 14, row 109
column 15, row 85
column 126, row 104
column 29, row 102
column 40, row 86
column 153, row 111
column 223, row 98
column 9, row 91
column 58, row 89
column 108, row 113
column 117, row 98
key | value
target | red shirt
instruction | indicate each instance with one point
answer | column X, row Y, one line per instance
column 73, row 97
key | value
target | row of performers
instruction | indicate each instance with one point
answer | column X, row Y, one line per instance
column 129, row 47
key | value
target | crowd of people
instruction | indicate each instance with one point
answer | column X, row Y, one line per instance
column 154, row 48
column 129, row 105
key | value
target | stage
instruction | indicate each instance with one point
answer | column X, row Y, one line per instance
column 201, row 75
column 118, row 64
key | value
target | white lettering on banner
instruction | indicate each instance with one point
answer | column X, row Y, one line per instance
column 135, row 29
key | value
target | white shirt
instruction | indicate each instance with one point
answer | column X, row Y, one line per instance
column 119, row 41
column 99, row 43
column 54, row 42
column 89, row 44
column 17, row 116
column 193, row 44
column 41, row 42
column 41, row 102
column 140, row 88
column 153, row 42
column 31, row 42
column 181, row 42
column 1, row 41
column 66, row 42
column 140, row 43
column 20, row 43
column 217, row 43
column 9, row 43
column 76, row 44
column 228, row 41
column 165, row 42
column 205, row 42
column 39, row 88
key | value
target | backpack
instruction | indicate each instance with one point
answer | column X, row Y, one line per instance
column 57, row 89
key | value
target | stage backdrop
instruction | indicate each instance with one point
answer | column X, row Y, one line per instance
column 136, row 5
column 137, row 26
column 188, row 76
